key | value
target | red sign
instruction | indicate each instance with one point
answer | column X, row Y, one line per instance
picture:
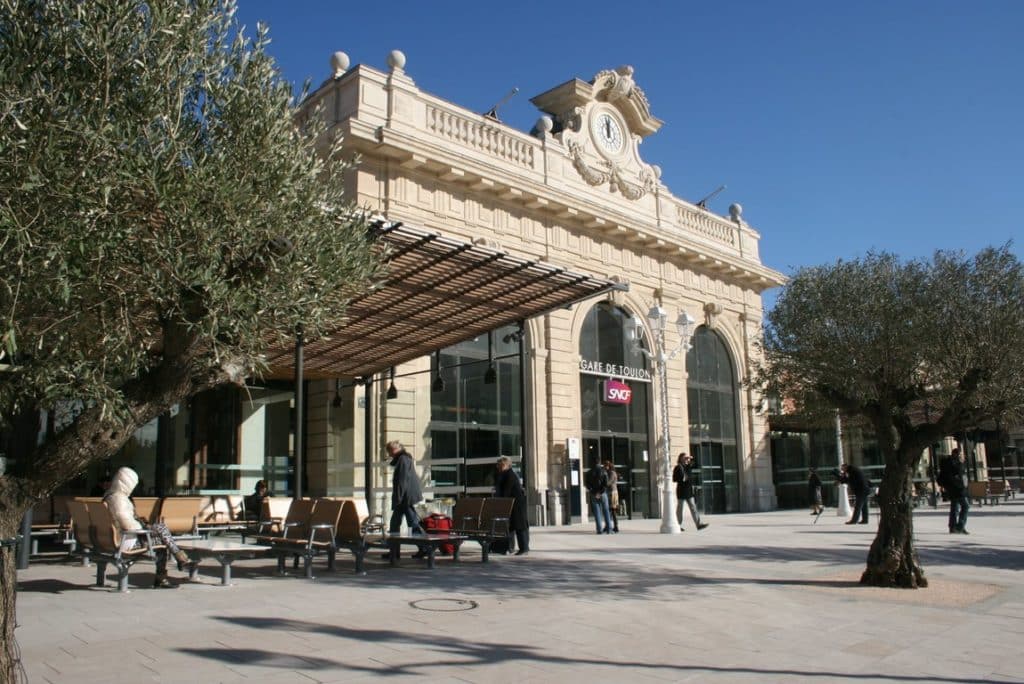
column 616, row 392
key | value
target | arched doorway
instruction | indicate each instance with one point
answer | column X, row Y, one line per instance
column 615, row 394
column 712, row 398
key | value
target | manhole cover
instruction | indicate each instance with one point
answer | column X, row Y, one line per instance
column 443, row 605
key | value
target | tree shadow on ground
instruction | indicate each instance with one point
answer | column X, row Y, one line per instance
column 452, row 651
column 52, row 586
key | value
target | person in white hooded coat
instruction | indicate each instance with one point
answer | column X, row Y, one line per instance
column 122, row 510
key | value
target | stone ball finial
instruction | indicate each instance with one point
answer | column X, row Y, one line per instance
column 396, row 60
column 657, row 171
column 339, row 63
column 545, row 124
column 736, row 212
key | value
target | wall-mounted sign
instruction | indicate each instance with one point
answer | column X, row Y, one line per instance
column 616, row 392
column 614, row 370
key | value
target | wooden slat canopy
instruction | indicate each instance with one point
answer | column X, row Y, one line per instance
column 439, row 291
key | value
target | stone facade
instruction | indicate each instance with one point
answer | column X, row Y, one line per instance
column 574, row 192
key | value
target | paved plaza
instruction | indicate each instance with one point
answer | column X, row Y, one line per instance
column 767, row 597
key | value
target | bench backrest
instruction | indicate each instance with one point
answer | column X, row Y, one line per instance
column 326, row 512
column 997, row 487
column 179, row 513
column 60, row 507
column 296, row 523
column 350, row 524
column 221, row 509
column 494, row 514
column 147, row 507
column 276, row 507
column 977, row 489
column 79, row 512
column 466, row 513
column 42, row 512
column 106, row 538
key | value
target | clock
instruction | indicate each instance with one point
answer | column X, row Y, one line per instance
column 607, row 133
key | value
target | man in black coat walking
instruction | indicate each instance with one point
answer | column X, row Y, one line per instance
column 508, row 486
column 953, row 479
column 405, row 490
column 860, row 485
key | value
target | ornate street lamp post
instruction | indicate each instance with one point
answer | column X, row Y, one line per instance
column 660, row 357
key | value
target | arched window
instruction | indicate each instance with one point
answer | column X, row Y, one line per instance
column 615, row 422
column 712, row 398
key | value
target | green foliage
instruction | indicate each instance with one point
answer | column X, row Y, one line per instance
column 877, row 337
column 157, row 201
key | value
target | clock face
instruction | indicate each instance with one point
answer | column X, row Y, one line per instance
column 607, row 132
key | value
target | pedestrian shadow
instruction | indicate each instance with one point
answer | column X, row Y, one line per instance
column 451, row 651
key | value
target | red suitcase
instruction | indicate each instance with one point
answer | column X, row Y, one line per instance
column 436, row 523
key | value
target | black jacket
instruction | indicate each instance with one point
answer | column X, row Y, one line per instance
column 953, row 476
column 507, row 485
column 856, row 479
column 683, row 477
column 405, row 485
column 597, row 480
column 813, row 484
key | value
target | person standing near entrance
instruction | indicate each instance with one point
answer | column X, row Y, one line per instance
column 597, row 485
column 507, row 485
column 405, row 490
column 861, row 487
column 953, row 480
column 613, row 494
column 682, row 475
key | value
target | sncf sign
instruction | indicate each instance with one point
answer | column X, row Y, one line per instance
column 616, row 392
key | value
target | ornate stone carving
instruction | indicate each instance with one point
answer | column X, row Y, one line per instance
column 589, row 173
column 613, row 176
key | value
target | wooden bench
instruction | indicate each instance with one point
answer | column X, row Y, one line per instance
column 1013, row 485
column 181, row 514
column 979, row 491
column 79, row 521
column 105, row 539
column 221, row 513
column 48, row 523
column 307, row 534
column 489, row 525
column 354, row 528
column 998, row 489
column 147, row 508
column 270, row 517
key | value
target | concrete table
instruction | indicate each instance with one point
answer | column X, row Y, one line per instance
column 226, row 551
column 429, row 543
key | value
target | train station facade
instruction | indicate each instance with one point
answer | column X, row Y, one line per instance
column 571, row 200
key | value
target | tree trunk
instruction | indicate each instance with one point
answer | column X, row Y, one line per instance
column 892, row 560
column 12, row 509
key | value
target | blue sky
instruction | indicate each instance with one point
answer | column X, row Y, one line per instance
column 840, row 127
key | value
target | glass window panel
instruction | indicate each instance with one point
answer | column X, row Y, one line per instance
column 590, row 393
column 508, row 394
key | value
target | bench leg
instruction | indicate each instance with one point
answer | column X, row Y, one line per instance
column 331, row 554
column 485, row 548
column 455, row 553
column 280, row 564
column 101, row 573
column 307, row 561
column 122, row 578
column 431, row 552
column 360, row 554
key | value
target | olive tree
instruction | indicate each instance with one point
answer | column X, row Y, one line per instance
column 163, row 221
column 876, row 337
